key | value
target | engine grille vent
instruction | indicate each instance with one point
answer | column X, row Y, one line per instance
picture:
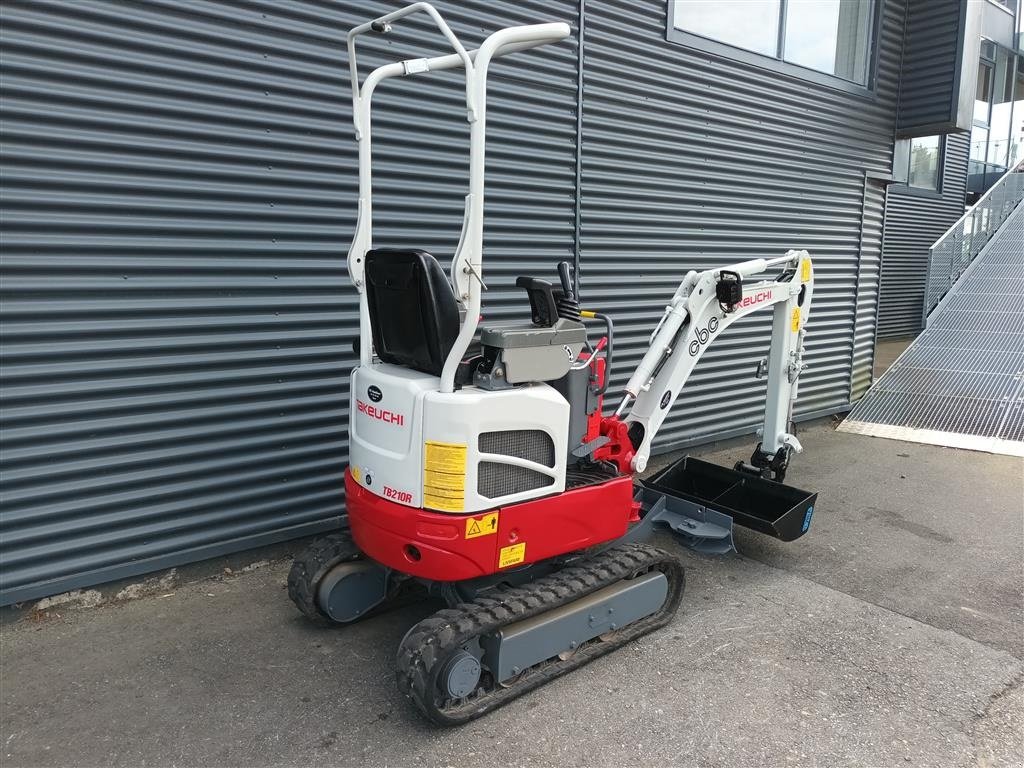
column 495, row 480
column 530, row 444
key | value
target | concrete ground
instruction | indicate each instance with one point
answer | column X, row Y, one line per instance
column 886, row 352
column 892, row 634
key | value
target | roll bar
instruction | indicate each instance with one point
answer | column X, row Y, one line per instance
column 466, row 273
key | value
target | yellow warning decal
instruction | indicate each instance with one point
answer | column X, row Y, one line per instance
column 512, row 555
column 805, row 270
column 446, row 457
column 482, row 526
column 795, row 321
column 444, row 476
column 442, row 503
column 357, row 474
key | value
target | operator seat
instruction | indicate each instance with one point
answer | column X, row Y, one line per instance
column 413, row 313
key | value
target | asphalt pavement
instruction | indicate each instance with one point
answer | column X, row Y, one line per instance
column 892, row 634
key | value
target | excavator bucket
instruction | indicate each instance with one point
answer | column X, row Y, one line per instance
column 765, row 506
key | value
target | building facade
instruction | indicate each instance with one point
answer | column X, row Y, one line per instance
column 179, row 193
column 938, row 173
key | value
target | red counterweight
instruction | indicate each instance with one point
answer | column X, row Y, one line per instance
column 448, row 547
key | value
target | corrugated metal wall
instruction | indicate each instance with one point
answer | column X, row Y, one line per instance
column 179, row 194
column 931, row 65
column 179, row 184
column 913, row 222
column 691, row 161
column 868, row 276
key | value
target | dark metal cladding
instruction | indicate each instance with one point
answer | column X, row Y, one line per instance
column 914, row 221
column 930, row 77
column 179, row 196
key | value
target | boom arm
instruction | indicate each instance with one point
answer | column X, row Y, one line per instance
column 695, row 318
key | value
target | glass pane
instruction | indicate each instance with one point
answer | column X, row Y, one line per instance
column 1002, row 106
column 830, row 36
column 979, row 143
column 924, row 162
column 1017, row 121
column 975, row 176
column 983, row 95
column 750, row 24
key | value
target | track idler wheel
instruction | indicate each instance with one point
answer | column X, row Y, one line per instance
column 332, row 583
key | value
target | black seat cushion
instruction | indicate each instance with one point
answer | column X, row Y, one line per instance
column 413, row 312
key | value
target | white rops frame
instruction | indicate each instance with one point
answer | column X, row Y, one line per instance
column 466, row 273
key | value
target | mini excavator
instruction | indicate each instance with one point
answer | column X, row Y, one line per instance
column 483, row 467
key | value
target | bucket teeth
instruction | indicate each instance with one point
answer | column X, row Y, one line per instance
column 427, row 647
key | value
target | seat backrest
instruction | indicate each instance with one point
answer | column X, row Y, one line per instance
column 413, row 312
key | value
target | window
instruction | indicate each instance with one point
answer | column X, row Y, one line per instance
column 832, row 37
column 1017, row 121
column 983, row 93
column 1002, row 109
column 918, row 162
column 751, row 25
column 998, row 127
column 924, row 163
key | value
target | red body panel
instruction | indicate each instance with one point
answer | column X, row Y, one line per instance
column 619, row 448
column 433, row 545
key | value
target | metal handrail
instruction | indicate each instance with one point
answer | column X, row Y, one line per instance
column 952, row 253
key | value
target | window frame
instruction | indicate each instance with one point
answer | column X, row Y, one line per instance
column 904, row 155
column 780, row 66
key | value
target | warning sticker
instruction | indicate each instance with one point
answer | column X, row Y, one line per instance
column 795, row 322
column 805, row 270
column 442, row 503
column 512, row 555
column 482, row 526
column 444, row 476
column 445, row 457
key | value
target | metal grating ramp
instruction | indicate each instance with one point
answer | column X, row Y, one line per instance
column 961, row 382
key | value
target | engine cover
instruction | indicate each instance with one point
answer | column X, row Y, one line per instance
column 465, row 451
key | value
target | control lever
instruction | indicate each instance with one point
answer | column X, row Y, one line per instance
column 543, row 309
column 565, row 277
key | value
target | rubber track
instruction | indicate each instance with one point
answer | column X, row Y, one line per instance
column 425, row 648
column 311, row 565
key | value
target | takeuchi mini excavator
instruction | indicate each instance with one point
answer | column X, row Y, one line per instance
column 483, row 468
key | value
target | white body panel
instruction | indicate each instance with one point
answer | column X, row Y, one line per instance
column 385, row 430
column 458, row 418
column 396, row 411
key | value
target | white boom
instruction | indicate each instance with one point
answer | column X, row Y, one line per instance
column 695, row 318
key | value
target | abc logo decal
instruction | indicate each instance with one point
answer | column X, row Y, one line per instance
column 703, row 334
